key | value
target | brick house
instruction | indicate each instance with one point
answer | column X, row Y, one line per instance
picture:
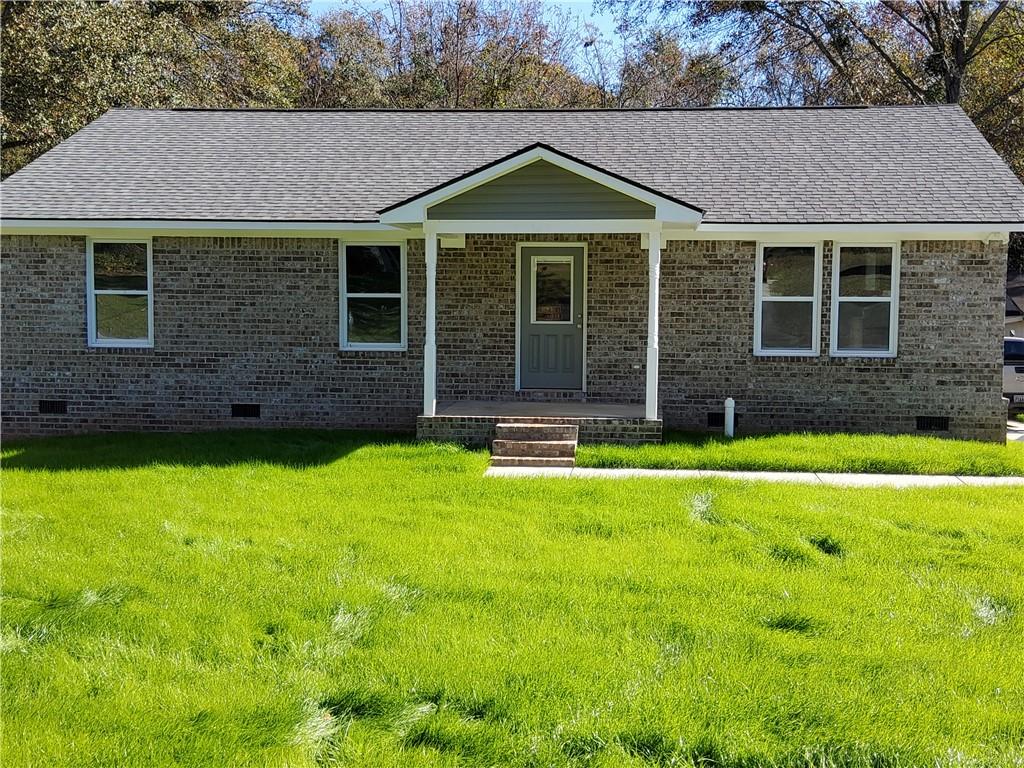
column 828, row 268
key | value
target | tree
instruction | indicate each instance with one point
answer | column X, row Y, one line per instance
column 345, row 63
column 889, row 51
column 451, row 53
column 653, row 70
column 64, row 64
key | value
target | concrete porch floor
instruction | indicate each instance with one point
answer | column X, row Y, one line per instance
column 473, row 422
column 569, row 409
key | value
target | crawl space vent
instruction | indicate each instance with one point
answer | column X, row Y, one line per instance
column 716, row 420
column 933, row 423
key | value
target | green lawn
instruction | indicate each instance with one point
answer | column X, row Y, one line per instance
column 308, row 599
column 888, row 454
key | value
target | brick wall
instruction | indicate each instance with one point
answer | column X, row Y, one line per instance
column 256, row 320
column 480, row 430
column 236, row 320
column 476, row 322
column 949, row 361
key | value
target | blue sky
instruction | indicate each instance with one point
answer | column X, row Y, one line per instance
column 582, row 9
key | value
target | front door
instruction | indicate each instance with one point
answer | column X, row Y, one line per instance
column 551, row 298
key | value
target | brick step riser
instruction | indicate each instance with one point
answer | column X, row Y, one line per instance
column 536, row 432
column 531, row 461
column 536, row 448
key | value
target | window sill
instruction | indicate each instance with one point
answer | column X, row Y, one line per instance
column 864, row 355
column 786, row 353
column 120, row 345
column 373, row 348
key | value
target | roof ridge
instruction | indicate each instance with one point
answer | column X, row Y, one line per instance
column 492, row 110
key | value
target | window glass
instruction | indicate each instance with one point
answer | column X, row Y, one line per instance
column 374, row 321
column 121, row 317
column 372, row 305
column 120, row 295
column 373, row 268
column 788, row 271
column 864, row 325
column 119, row 266
column 865, row 270
column 789, row 291
column 553, row 292
column 1013, row 350
column 787, row 325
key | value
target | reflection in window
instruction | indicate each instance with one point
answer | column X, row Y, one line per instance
column 788, row 294
column 120, row 294
column 553, row 292
column 863, row 305
column 373, row 301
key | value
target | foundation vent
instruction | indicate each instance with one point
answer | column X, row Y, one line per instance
column 933, row 423
column 245, row 410
column 716, row 420
column 53, row 407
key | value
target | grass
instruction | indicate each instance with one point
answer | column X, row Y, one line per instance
column 309, row 599
column 886, row 454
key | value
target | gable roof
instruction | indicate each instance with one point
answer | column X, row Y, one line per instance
column 923, row 164
column 668, row 207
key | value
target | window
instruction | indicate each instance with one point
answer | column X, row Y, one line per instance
column 120, row 293
column 865, row 286
column 1013, row 351
column 787, row 311
column 552, row 289
column 373, row 310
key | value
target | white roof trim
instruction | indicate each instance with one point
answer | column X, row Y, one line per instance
column 540, row 226
column 999, row 231
column 805, row 232
column 415, row 211
column 856, row 226
column 196, row 228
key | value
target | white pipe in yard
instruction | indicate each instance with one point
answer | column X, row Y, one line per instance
column 730, row 417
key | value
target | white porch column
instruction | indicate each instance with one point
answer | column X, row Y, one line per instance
column 430, row 341
column 654, row 279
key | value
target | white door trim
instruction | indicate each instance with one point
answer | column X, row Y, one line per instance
column 519, row 300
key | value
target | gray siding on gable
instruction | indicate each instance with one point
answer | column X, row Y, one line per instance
column 541, row 190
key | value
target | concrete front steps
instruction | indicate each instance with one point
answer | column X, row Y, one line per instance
column 534, row 445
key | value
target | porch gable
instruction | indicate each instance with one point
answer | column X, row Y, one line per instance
column 540, row 190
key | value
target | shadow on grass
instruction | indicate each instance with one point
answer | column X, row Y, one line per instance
column 285, row 447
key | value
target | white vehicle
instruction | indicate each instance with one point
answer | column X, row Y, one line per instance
column 1013, row 371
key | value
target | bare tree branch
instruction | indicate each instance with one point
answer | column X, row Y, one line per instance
column 902, row 76
column 995, row 103
column 969, row 54
column 895, row 9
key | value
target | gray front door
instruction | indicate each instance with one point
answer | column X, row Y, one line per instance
column 551, row 296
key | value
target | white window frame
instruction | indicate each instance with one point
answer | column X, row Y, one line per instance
column 893, row 299
column 92, row 293
column 344, row 296
column 815, row 300
column 536, row 259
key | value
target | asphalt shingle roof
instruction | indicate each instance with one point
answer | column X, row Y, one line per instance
column 824, row 165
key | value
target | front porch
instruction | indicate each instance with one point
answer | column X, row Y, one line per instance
column 473, row 422
column 541, row 298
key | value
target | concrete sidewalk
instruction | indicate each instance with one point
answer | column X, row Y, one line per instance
column 814, row 478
